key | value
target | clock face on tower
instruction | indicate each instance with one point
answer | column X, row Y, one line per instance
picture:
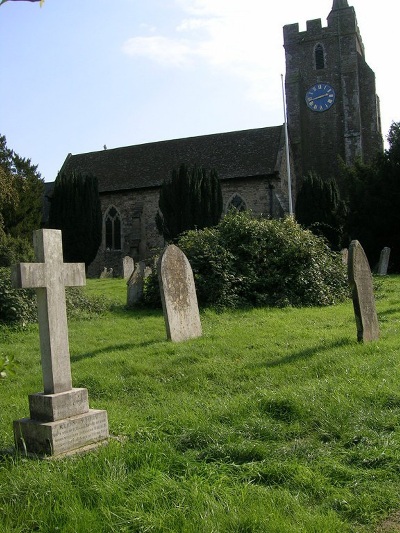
column 320, row 97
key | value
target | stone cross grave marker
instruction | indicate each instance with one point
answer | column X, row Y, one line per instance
column 360, row 279
column 178, row 295
column 61, row 421
column 384, row 261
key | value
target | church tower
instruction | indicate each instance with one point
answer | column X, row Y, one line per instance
column 332, row 106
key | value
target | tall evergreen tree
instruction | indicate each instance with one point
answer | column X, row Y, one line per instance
column 319, row 208
column 191, row 198
column 75, row 210
column 374, row 202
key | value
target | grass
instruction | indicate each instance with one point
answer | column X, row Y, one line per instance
column 275, row 421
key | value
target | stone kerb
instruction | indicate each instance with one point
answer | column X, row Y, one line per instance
column 60, row 419
column 178, row 295
column 360, row 280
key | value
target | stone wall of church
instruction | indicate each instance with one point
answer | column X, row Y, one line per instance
column 137, row 210
column 139, row 237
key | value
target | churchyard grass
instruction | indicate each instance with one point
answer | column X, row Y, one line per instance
column 275, row 421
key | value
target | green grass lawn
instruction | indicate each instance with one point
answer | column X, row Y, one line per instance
column 275, row 421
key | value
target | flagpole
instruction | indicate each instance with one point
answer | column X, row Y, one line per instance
column 289, row 178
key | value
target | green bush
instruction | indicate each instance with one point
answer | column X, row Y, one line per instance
column 254, row 261
column 18, row 306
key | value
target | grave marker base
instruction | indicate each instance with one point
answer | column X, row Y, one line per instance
column 60, row 437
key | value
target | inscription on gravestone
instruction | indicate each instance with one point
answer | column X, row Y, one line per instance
column 61, row 421
column 178, row 295
column 360, row 280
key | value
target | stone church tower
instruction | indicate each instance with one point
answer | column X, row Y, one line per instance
column 332, row 106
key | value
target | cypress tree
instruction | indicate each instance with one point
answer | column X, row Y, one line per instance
column 75, row 210
column 191, row 198
column 319, row 208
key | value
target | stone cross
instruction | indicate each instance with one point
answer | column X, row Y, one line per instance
column 178, row 295
column 49, row 276
column 360, row 280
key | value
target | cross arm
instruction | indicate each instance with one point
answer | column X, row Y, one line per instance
column 28, row 275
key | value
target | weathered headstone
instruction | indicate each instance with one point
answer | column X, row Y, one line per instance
column 128, row 266
column 360, row 279
column 178, row 295
column 60, row 419
column 135, row 284
column 383, row 262
column 345, row 256
column 105, row 274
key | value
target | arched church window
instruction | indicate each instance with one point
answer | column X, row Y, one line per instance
column 319, row 57
column 113, row 229
column 237, row 203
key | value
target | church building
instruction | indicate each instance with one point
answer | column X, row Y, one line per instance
column 332, row 115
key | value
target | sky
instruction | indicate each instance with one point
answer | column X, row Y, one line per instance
column 79, row 75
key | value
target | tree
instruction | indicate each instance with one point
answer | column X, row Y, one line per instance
column 320, row 209
column 75, row 210
column 374, row 201
column 21, row 196
column 191, row 198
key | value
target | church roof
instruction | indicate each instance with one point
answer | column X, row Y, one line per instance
column 236, row 154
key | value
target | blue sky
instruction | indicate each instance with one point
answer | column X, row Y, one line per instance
column 80, row 74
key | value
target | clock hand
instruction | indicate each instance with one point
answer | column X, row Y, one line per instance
column 320, row 96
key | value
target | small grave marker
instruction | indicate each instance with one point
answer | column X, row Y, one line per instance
column 383, row 262
column 128, row 266
column 61, row 421
column 135, row 284
column 178, row 295
column 360, row 279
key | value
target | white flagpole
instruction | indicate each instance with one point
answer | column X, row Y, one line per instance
column 287, row 152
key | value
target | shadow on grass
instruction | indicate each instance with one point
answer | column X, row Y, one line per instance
column 129, row 346
column 383, row 314
column 307, row 353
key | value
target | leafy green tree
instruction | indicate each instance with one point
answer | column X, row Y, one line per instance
column 190, row 199
column 21, row 196
column 75, row 210
column 320, row 209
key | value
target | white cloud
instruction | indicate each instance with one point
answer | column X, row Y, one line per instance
column 165, row 51
column 230, row 36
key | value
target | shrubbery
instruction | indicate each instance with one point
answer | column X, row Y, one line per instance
column 18, row 306
column 253, row 261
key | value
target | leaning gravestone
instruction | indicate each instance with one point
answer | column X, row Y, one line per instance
column 60, row 419
column 178, row 295
column 383, row 262
column 360, row 279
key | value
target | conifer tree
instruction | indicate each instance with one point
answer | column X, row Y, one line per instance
column 191, row 198
column 320, row 209
column 75, row 210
